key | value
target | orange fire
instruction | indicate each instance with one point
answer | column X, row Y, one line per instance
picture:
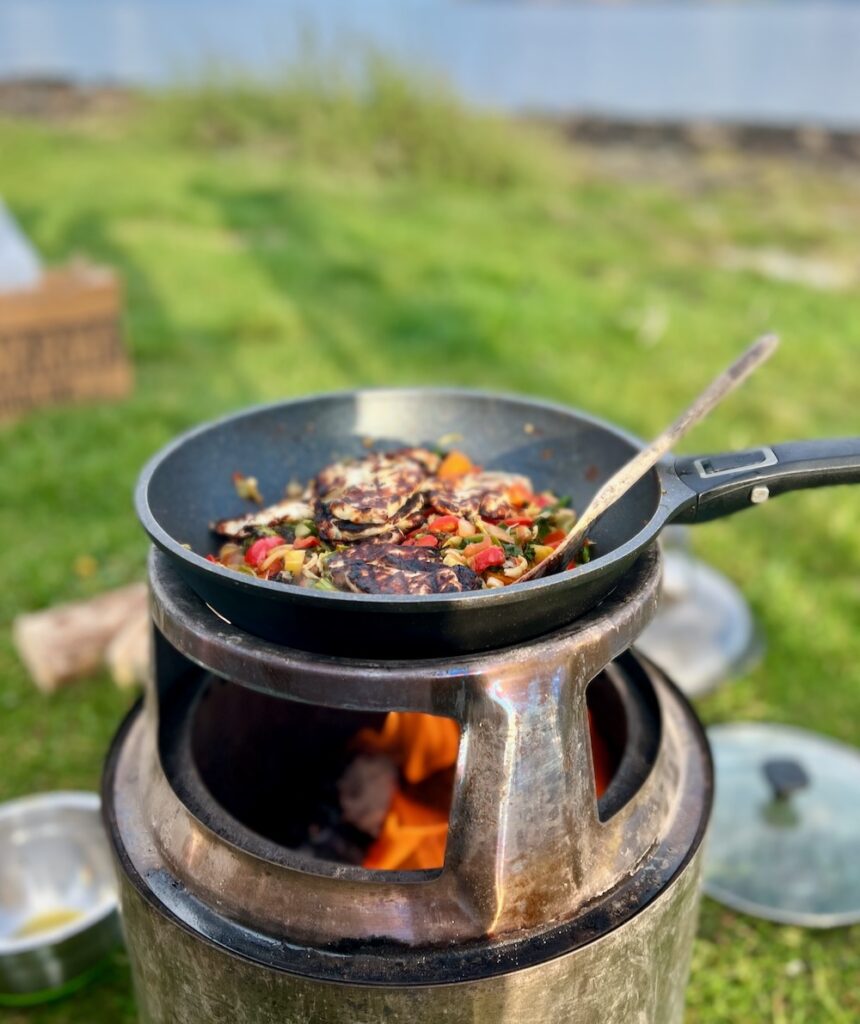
column 413, row 837
column 415, row 829
column 600, row 757
column 419, row 744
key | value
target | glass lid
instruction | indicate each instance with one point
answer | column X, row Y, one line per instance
column 784, row 841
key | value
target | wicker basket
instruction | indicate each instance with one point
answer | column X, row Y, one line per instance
column 62, row 341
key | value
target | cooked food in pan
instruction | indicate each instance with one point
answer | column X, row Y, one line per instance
column 407, row 522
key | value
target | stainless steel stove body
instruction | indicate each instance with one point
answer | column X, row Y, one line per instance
column 552, row 905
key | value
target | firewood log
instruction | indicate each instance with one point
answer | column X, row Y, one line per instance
column 69, row 641
column 128, row 654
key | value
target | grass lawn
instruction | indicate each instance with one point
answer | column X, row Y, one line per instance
column 279, row 245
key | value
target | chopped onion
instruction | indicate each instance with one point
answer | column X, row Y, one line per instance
column 516, row 570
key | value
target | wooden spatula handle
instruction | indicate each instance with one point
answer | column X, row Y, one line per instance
column 633, row 471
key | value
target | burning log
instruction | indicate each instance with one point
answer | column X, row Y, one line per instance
column 366, row 790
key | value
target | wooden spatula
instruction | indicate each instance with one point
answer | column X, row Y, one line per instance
column 633, row 471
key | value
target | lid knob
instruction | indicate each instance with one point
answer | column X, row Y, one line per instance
column 785, row 777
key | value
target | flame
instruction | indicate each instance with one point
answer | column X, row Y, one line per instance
column 419, row 744
column 413, row 837
column 415, row 829
column 601, row 758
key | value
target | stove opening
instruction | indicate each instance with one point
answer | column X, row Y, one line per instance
column 366, row 789
column 371, row 790
column 607, row 727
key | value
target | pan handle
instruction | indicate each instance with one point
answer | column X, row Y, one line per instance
column 731, row 481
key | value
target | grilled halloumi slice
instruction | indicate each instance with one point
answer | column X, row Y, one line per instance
column 289, row 511
column 375, row 568
column 483, row 494
column 340, row 531
column 373, row 489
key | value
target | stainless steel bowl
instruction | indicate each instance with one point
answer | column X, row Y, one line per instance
column 58, row 904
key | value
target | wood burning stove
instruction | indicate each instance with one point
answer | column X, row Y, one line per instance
column 562, row 895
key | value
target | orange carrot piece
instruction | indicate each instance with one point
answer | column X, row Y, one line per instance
column 455, row 464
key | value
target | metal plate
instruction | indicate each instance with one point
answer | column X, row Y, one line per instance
column 703, row 634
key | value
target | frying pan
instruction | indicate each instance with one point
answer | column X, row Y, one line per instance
column 189, row 483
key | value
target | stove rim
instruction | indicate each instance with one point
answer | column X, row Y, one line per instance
column 402, row 965
column 202, row 635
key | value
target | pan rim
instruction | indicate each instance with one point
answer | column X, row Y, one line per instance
column 199, row 565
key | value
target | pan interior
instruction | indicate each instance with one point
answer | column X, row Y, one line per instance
column 558, row 448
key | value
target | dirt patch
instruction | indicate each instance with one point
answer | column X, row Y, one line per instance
column 807, row 141
column 779, row 265
column 56, row 99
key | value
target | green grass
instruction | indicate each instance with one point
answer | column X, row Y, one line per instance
column 279, row 243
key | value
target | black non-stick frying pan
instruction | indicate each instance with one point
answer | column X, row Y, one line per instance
column 189, row 483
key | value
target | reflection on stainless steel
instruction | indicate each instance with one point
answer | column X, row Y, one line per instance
column 57, row 892
column 226, row 925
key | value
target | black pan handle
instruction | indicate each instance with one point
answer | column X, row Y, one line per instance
column 731, row 481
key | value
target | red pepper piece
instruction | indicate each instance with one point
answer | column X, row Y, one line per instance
column 472, row 549
column 426, row 542
column 518, row 521
column 212, row 558
column 260, row 548
column 306, row 542
column 555, row 538
column 445, row 524
column 487, row 558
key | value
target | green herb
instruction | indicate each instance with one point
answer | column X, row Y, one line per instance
column 305, row 528
column 324, row 584
column 544, row 527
